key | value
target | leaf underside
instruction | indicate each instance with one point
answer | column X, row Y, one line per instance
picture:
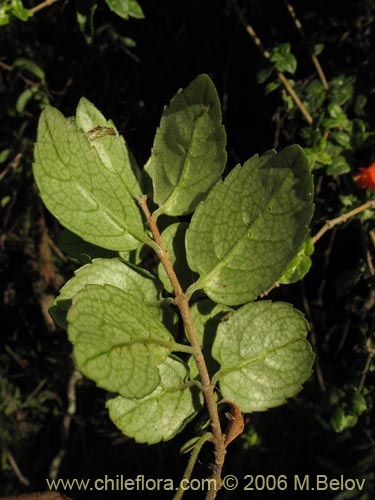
column 163, row 413
column 264, row 355
column 86, row 191
column 117, row 341
column 115, row 272
column 188, row 155
column 250, row 227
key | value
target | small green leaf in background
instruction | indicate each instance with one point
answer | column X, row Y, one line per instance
column 315, row 95
column 126, row 8
column 85, row 17
column 283, row 59
column 4, row 155
column 341, row 89
column 300, row 265
column 188, row 155
column 24, row 98
column 338, row 166
column 244, row 235
column 163, row 413
column 130, row 279
column 13, row 8
column 83, row 186
column 347, row 405
column 317, row 49
column 31, row 67
column 174, row 241
column 118, row 341
column 264, row 355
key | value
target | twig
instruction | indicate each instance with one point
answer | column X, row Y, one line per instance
column 182, row 302
column 314, row 58
column 21, row 478
column 267, row 55
column 67, row 420
column 12, row 165
column 371, row 355
column 30, row 83
column 43, row 5
column 327, row 256
column 189, row 469
column 341, row 219
column 314, row 342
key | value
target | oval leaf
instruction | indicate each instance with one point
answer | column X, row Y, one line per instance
column 163, row 413
column 244, row 235
column 188, row 155
column 117, row 341
column 264, row 355
column 174, row 242
column 115, row 272
column 87, row 195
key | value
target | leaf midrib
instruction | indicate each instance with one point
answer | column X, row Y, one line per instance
column 258, row 357
column 173, row 194
column 91, row 196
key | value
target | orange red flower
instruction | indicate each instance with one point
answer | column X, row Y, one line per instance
column 366, row 177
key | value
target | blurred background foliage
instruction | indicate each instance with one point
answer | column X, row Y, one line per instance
column 129, row 58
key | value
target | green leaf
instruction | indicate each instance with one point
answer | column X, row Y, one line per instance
column 80, row 250
column 109, row 145
column 300, row 265
column 317, row 48
column 163, row 413
column 24, row 98
column 173, row 238
column 206, row 316
column 85, row 18
column 126, row 8
column 84, row 190
column 360, row 104
column 263, row 75
column 188, row 155
column 283, row 59
column 244, row 235
column 264, row 355
column 118, row 342
column 271, row 87
column 133, row 280
column 31, row 67
column 341, row 89
column 4, row 155
column 342, row 138
column 338, row 166
column 9, row 8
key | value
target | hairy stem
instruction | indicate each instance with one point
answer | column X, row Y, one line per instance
column 182, row 302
